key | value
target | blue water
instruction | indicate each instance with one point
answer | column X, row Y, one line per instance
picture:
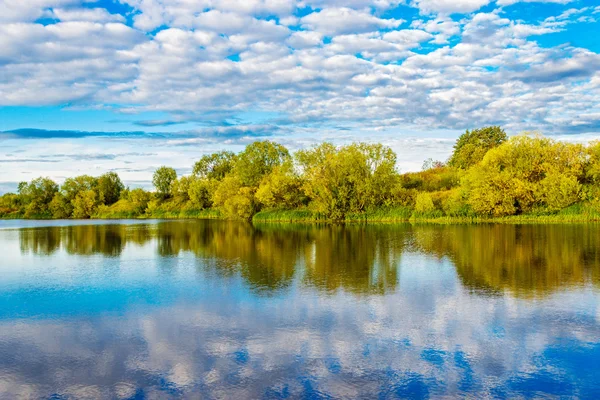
column 200, row 309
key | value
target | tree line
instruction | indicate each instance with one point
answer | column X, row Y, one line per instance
column 487, row 175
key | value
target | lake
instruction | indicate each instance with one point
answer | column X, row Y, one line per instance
column 216, row 309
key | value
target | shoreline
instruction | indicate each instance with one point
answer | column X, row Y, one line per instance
column 369, row 218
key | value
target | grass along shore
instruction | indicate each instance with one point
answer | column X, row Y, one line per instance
column 575, row 214
column 578, row 213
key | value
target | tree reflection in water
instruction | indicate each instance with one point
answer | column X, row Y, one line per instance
column 525, row 260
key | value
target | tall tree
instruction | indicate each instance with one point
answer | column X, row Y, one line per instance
column 258, row 160
column 215, row 166
column 109, row 188
column 472, row 146
column 163, row 179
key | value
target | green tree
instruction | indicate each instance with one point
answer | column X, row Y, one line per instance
column 163, row 179
column 215, row 166
column 592, row 172
column 60, row 207
column 201, row 192
column 36, row 196
column 258, row 160
column 181, row 186
column 471, row 146
column 73, row 186
column 109, row 188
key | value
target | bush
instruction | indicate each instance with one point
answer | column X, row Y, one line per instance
column 424, row 204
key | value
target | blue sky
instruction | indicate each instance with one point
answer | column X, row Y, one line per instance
column 127, row 85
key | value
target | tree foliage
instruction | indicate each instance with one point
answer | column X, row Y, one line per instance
column 471, row 146
column 163, row 179
column 487, row 176
column 109, row 188
column 258, row 160
column 348, row 179
column 215, row 166
column 526, row 173
column 282, row 188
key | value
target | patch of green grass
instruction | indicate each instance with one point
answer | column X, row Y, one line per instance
column 208, row 213
column 288, row 216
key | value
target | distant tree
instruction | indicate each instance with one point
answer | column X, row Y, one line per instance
column 430, row 163
column 471, row 146
column 163, row 179
column 526, row 173
column 109, row 188
column 215, row 166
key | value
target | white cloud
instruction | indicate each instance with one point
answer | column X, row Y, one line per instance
column 92, row 15
column 336, row 21
column 30, row 10
column 444, row 27
column 511, row 2
column 450, row 6
column 303, row 39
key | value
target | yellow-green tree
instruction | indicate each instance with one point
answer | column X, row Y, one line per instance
column 235, row 199
column 139, row 198
column 348, row 179
column 201, row 192
column 526, row 173
column 37, row 195
column 60, row 207
column 73, row 186
column 85, row 204
column 282, row 188
column 424, row 203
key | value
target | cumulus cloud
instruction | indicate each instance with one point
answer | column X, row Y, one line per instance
column 450, row 6
column 510, row 2
column 93, row 15
column 335, row 21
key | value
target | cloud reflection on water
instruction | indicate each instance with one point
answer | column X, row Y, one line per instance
column 227, row 311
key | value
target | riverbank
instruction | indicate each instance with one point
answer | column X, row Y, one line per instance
column 575, row 214
column 578, row 213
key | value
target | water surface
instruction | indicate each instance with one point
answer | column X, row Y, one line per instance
column 213, row 309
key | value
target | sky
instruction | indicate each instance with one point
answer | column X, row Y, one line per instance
column 92, row 86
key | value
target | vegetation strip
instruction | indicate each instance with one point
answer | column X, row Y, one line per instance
column 488, row 178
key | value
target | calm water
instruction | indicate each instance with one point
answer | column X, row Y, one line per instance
column 199, row 309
